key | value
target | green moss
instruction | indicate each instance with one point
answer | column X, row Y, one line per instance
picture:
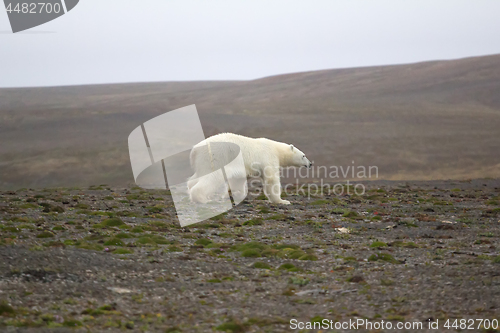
column 123, row 235
column 309, row 257
column 22, row 219
column 251, row 253
column 160, row 239
column 286, row 246
column 128, row 214
column 203, row 241
column 295, row 254
column 496, row 260
column 6, row 309
column 47, row 318
column 51, row 208
column 383, row 257
column 256, row 221
column 408, row 224
column 297, row 280
column 12, row 229
column 386, row 282
column 339, row 211
column 156, row 208
column 351, row 214
column 123, row 251
column 278, row 217
column 174, row 248
column 232, row 326
column 262, row 196
column 71, row 323
column 45, row 234
column 146, row 240
column 112, row 222
column 214, row 281
column 264, row 210
column 261, row 265
column 317, row 319
column 270, row 253
column 443, row 203
column 289, row 267
column 28, row 206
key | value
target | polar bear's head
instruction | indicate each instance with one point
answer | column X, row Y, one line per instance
column 298, row 158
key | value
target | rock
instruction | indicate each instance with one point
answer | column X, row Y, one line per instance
column 311, row 292
column 119, row 290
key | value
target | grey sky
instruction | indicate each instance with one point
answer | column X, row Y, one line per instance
column 105, row 41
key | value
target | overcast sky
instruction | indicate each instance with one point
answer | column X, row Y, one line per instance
column 106, row 41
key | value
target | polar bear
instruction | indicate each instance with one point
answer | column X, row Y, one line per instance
column 261, row 157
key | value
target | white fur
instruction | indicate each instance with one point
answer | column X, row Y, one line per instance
column 262, row 158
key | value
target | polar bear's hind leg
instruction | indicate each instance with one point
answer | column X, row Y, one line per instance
column 192, row 181
column 198, row 194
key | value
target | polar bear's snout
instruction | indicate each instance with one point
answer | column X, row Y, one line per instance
column 307, row 163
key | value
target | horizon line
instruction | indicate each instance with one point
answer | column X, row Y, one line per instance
column 250, row 80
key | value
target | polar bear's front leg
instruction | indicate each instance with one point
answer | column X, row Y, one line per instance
column 272, row 190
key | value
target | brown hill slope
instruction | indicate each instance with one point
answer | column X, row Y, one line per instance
column 432, row 120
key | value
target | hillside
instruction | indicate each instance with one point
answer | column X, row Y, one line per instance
column 424, row 121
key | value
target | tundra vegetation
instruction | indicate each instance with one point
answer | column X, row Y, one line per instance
column 116, row 259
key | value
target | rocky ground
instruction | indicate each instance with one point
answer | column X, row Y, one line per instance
column 115, row 259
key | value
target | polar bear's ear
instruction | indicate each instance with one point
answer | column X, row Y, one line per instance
column 291, row 147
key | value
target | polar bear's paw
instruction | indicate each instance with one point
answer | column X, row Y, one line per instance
column 282, row 202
